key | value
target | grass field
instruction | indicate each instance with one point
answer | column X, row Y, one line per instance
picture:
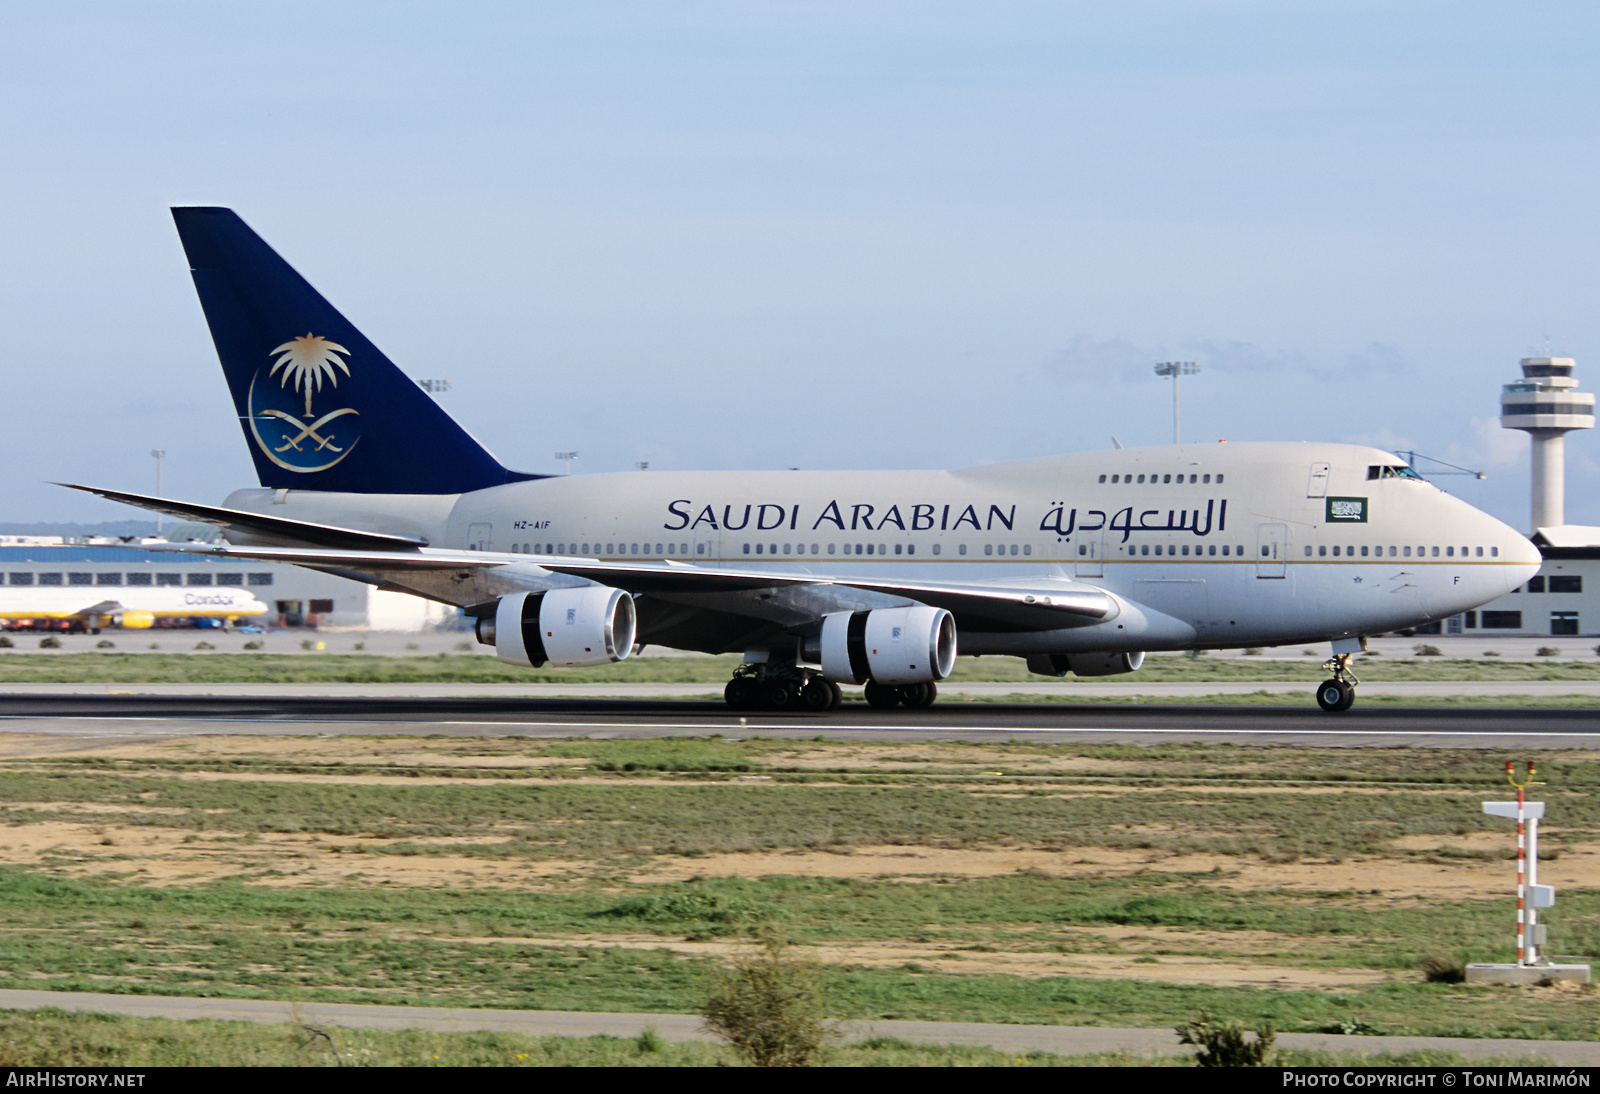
column 1075, row 885
column 151, row 668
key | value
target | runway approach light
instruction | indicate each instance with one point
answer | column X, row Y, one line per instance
column 1531, row 896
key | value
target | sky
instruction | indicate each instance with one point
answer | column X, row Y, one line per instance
column 822, row 235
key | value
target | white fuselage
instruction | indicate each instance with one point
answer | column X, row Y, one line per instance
column 1226, row 545
column 134, row 606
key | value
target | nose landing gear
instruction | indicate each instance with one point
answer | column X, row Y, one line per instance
column 1338, row 694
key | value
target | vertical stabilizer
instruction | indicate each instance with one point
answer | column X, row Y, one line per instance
column 322, row 408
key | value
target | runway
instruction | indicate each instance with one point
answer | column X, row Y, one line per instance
column 280, row 710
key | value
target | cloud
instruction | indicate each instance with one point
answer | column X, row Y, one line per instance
column 1114, row 359
column 1384, row 438
column 1239, row 357
column 1492, row 445
column 1376, row 359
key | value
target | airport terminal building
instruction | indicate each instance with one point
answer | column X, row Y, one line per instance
column 295, row 597
column 1563, row 600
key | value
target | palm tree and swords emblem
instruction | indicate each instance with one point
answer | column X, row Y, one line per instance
column 306, row 363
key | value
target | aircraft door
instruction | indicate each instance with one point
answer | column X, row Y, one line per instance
column 1272, row 550
column 478, row 536
column 1317, row 487
column 707, row 544
column 1089, row 554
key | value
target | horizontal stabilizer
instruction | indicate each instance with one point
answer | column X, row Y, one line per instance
column 281, row 530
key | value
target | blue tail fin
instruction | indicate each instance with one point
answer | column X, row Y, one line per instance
column 322, row 407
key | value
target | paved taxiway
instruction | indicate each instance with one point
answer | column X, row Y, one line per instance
column 1063, row 1040
column 117, row 715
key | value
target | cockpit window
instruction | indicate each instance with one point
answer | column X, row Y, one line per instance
column 1377, row 471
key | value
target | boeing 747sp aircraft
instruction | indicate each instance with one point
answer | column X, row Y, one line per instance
column 1078, row 564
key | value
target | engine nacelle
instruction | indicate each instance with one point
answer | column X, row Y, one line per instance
column 915, row 645
column 134, row 621
column 574, row 628
column 1085, row 664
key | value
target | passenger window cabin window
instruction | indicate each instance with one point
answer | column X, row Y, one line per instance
column 1436, row 552
column 961, row 550
column 935, row 548
column 1102, row 478
column 1308, row 551
column 1219, row 480
column 1205, row 478
column 1166, row 478
column 1494, row 552
column 988, row 548
column 1141, row 478
column 1212, row 550
column 1364, row 551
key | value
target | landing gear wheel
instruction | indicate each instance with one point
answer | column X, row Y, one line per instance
column 1335, row 696
column 930, row 692
column 741, row 693
column 778, row 695
column 911, row 695
column 817, row 696
column 882, row 696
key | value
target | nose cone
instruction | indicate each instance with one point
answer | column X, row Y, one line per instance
column 1522, row 557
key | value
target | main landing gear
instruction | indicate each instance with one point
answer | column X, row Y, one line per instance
column 781, row 688
column 910, row 696
column 1338, row 694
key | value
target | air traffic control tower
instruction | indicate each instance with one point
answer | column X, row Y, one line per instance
column 1546, row 404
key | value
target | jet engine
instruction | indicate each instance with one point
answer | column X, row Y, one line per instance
column 574, row 628
column 1085, row 664
column 134, row 621
column 915, row 645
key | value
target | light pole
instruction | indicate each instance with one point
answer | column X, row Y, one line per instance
column 567, row 457
column 158, row 453
column 1176, row 369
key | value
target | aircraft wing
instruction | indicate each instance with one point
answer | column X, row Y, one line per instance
column 465, row 578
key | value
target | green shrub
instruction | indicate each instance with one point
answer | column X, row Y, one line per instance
column 1439, row 969
column 1422, row 649
column 1223, row 1044
column 1547, row 651
column 769, row 1006
column 50, row 642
